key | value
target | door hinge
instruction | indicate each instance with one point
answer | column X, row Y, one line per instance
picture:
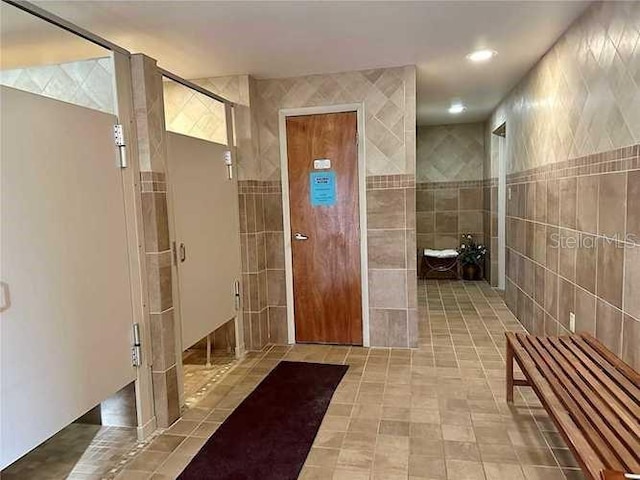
column 236, row 293
column 228, row 161
column 136, row 350
column 118, row 135
column 118, row 138
column 357, row 139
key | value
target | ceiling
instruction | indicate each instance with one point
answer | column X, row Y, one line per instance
column 281, row 39
column 27, row 41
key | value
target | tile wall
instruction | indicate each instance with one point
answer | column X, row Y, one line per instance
column 573, row 245
column 572, row 134
column 88, row 83
column 446, row 210
column 582, row 97
column 262, row 250
column 490, row 228
column 149, row 112
column 391, row 240
column 449, row 193
column 191, row 113
column 389, row 99
column 240, row 89
column 450, row 153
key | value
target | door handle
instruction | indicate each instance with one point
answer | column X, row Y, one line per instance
column 6, row 296
column 183, row 253
column 300, row 236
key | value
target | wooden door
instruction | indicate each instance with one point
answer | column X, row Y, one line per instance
column 205, row 209
column 67, row 313
column 325, row 229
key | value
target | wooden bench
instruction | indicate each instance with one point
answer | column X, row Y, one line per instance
column 592, row 396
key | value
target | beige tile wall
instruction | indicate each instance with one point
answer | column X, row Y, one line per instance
column 391, row 238
column 241, row 90
column 194, row 114
column 391, row 250
column 449, row 192
column 446, row 210
column 567, row 122
column 88, row 83
column 490, row 207
column 389, row 99
column 262, row 250
column 582, row 97
column 448, row 153
column 191, row 113
column 388, row 95
column 573, row 245
column 490, row 227
column 147, row 99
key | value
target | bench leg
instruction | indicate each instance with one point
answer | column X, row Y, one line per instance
column 509, row 372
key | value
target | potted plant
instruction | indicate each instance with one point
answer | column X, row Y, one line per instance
column 471, row 257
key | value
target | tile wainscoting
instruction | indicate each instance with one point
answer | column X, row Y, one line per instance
column 446, row 210
column 573, row 245
column 262, row 250
column 161, row 310
column 490, row 227
column 391, row 239
column 391, row 254
column 151, row 144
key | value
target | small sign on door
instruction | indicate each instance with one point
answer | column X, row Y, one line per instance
column 321, row 164
column 322, row 188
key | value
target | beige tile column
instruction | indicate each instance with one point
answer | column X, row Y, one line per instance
column 149, row 113
column 391, row 243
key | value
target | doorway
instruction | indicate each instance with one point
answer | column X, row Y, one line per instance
column 500, row 136
column 323, row 203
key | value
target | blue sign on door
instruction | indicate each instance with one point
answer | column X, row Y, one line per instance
column 322, row 188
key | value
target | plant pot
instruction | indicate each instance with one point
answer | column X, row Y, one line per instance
column 470, row 271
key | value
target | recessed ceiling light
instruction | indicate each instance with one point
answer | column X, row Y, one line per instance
column 482, row 55
column 457, row 108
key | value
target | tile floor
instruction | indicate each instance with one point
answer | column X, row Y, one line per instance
column 200, row 378
column 79, row 451
column 436, row 412
column 91, row 452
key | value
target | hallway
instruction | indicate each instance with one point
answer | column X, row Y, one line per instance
column 381, row 206
column 444, row 400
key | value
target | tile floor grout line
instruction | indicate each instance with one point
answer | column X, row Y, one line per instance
column 459, row 357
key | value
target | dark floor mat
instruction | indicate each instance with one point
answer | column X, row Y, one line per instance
column 269, row 435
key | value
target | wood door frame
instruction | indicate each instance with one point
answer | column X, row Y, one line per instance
column 286, row 212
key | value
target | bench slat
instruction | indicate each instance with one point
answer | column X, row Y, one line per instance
column 583, row 451
column 610, row 475
column 622, row 367
column 617, row 384
column 607, row 402
column 572, row 401
column 618, row 439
